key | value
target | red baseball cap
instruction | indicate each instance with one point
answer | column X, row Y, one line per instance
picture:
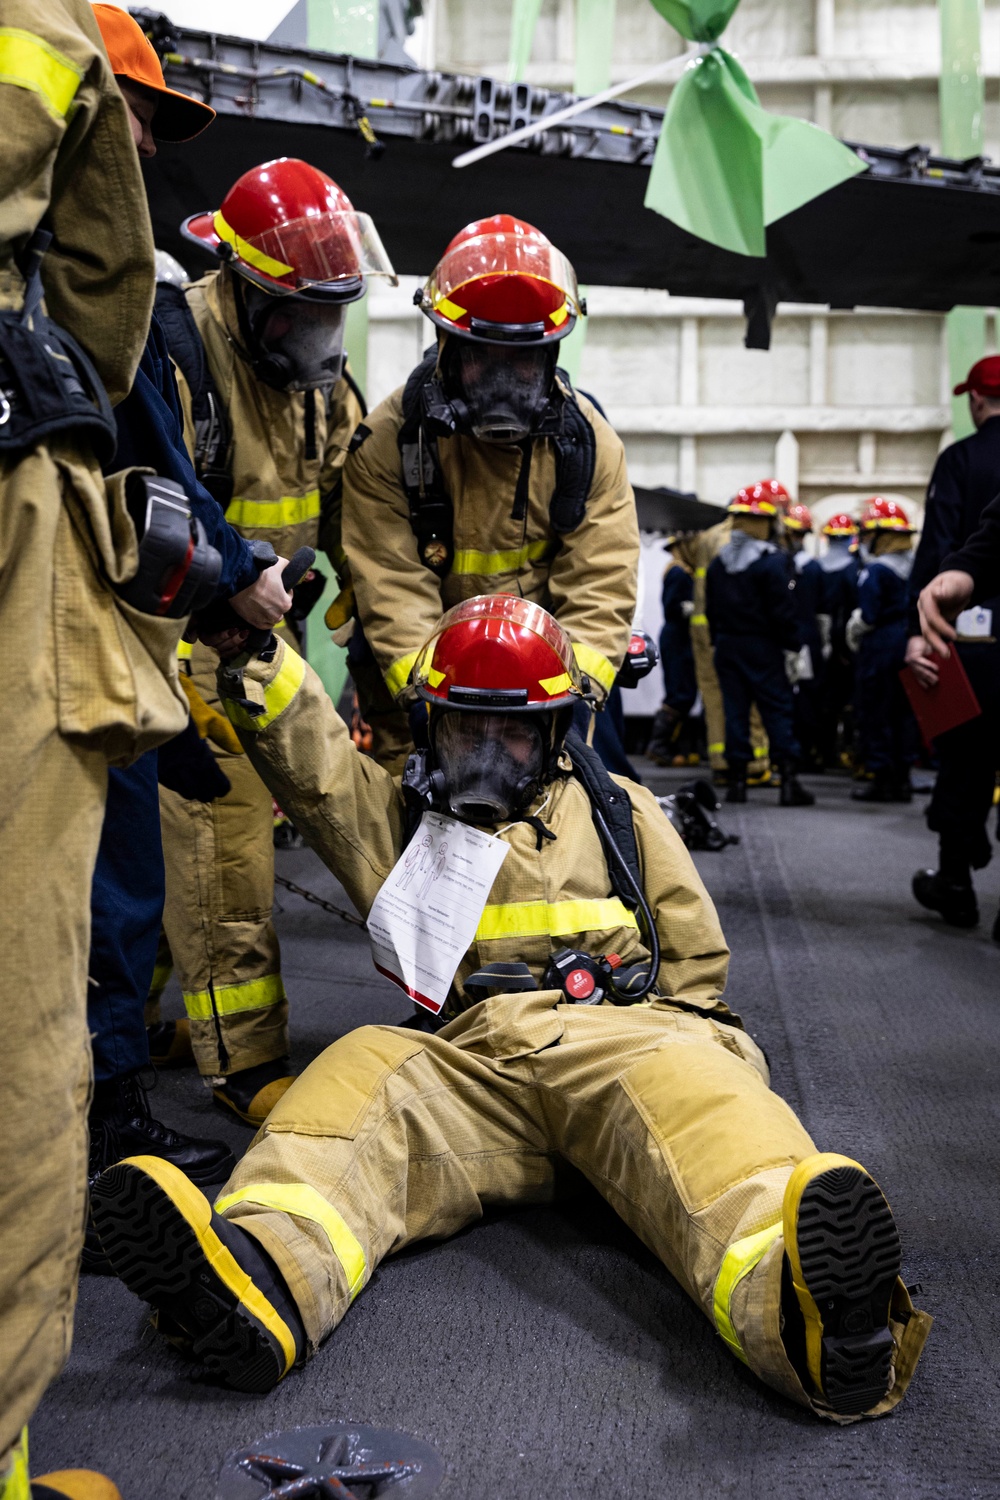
column 132, row 55
column 983, row 378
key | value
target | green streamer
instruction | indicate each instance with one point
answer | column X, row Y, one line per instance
column 724, row 167
column 698, row 20
column 961, row 103
column 523, row 20
column 595, row 42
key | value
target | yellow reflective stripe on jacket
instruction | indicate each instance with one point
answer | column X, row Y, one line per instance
column 397, row 676
column 520, row 919
column 699, row 619
column 303, row 1202
column 29, row 63
column 278, row 693
column 290, row 510
column 15, row 1484
column 252, row 994
column 595, row 665
column 486, row 564
column 184, row 650
column 737, row 1262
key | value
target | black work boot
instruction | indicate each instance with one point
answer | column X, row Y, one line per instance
column 737, row 784
column 955, row 900
column 170, row 1043
column 218, row 1295
column 881, row 788
column 793, row 793
column 122, row 1124
column 663, row 735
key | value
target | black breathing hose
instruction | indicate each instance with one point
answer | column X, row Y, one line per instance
column 647, row 916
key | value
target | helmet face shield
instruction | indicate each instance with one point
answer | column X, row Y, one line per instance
column 491, row 762
column 331, row 247
column 506, row 389
column 304, row 340
column 501, row 280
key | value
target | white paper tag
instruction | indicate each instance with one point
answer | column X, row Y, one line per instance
column 423, row 920
column 974, row 624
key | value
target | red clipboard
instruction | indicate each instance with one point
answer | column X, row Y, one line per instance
column 950, row 703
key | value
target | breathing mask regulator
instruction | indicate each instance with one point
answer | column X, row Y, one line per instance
column 294, row 341
column 496, row 391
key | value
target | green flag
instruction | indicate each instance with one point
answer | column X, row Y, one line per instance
column 724, row 167
column 698, row 20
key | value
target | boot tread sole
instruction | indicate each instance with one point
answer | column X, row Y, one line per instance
column 849, row 1256
column 159, row 1254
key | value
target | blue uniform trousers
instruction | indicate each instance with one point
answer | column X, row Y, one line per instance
column 968, row 761
column 680, row 686
column 887, row 734
column 126, row 907
column 751, row 669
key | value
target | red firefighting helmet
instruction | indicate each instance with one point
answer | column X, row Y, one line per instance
column 841, row 525
column 757, row 500
column 498, row 651
column 288, row 227
column 880, row 514
column 501, row 280
column 798, row 518
column 774, row 490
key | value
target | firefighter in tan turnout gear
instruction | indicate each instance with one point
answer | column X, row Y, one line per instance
column 486, row 473
column 271, row 323
column 91, row 679
column 656, row 1093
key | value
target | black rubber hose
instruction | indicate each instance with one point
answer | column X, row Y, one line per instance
column 647, row 915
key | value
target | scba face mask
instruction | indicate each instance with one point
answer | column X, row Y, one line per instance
column 491, row 763
column 506, row 389
column 300, row 341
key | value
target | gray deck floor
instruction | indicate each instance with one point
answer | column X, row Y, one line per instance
column 546, row 1353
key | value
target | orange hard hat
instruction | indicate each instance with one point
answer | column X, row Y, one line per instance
column 798, row 518
column 498, row 651
column 502, row 280
column 132, row 55
column 881, row 514
column 288, row 227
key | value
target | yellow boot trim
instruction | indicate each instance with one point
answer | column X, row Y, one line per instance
column 521, row 919
column 278, row 694
column 595, row 665
column 194, row 1206
column 15, row 1485
column 738, row 1261
column 304, row 1202
column 813, row 1166
column 230, row 999
column 80, row 1484
column 29, row 63
column 261, row 1104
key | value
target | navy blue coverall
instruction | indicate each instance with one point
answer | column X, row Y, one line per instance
column 680, row 686
column 887, row 735
column 808, row 692
column 966, row 478
column 753, row 620
column 839, row 599
column 128, row 890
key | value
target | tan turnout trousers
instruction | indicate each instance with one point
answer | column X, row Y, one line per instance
column 392, row 1136
column 218, row 915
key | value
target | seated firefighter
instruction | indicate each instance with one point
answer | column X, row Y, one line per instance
column 659, row 1097
column 486, row 473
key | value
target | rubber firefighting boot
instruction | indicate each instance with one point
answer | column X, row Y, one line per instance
column 666, row 726
column 793, row 793
column 170, row 1043
column 842, row 1260
column 252, row 1093
column 122, row 1124
column 215, row 1291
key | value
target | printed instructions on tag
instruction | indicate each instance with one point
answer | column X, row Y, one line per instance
column 424, row 918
